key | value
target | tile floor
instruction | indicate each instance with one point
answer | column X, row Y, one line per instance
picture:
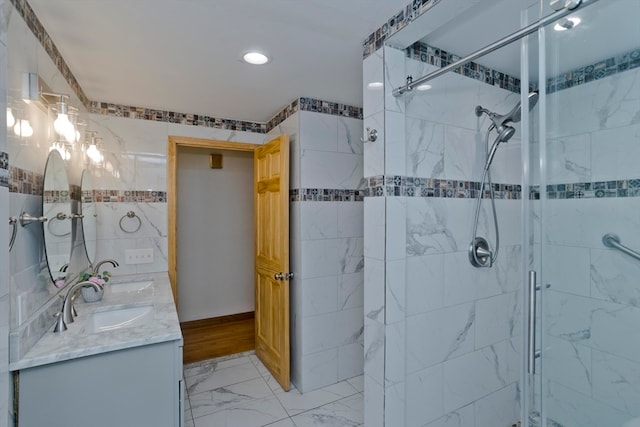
column 238, row 391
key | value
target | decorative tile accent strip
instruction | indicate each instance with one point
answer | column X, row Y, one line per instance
column 38, row 30
column 4, row 169
column 129, row 196
column 440, row 58
column 117, row 110
column 56, row 196
column 599, row 70
column 25, row 182
column 314, row 105
column 284, row 114
column 333, row 108
column 325, row 195
column 407, row 186
column 597, row 189
column 395, row 24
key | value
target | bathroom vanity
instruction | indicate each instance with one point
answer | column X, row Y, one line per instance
column 118, row 364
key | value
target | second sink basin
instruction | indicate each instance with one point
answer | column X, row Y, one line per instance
column 120, row 317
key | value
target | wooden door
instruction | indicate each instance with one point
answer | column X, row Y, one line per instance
column 271, row 206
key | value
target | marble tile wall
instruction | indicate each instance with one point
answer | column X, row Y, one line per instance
column 591, row 309
column 326, row 247
column 432, row 321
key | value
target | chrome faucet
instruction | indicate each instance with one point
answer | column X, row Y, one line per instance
column 113, row 262
column 66, row 315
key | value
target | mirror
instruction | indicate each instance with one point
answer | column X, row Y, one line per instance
column 56, row 205
column 90, row 216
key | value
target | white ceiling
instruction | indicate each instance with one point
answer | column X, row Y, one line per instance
column 184, row 55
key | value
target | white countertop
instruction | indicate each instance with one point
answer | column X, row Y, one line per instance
column 79, row 340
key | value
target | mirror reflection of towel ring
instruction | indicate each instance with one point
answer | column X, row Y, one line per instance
column 130, row 214
column 61, row 216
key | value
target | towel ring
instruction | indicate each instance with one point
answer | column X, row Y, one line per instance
column 13, row 221
column 130, row 214
column 61, row 216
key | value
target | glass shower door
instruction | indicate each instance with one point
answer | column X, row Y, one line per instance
column 589, row 186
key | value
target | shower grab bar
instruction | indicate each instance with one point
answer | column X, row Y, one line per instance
column 570, row 7
column 613, row 241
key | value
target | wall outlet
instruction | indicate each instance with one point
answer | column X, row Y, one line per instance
column 138, row 256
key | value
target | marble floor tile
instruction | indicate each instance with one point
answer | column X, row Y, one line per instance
column 256, row 413
column 231, row 396
column 239, row 391
column 343, row 413
column 295, row 402
column 206, row 381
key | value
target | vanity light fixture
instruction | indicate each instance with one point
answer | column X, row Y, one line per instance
column 255, row 58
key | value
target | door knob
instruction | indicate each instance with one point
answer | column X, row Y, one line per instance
column 278, row 276
column 288, row 276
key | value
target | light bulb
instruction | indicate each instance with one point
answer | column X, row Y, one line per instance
column 70, row 134
column 10, row 119
column 62, row 124
column 23, row 128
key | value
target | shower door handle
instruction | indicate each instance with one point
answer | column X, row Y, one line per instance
column 532, row 354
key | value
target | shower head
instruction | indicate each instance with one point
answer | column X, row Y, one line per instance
column 499, row 122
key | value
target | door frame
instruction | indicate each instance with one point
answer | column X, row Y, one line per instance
column 174, row 142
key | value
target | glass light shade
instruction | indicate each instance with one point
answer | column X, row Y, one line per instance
column 62, row 125
column 23, row 128
column 10, row 119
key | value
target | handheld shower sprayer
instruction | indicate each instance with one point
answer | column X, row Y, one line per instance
column 480, row 253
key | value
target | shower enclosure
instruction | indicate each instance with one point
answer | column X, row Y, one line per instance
column 548, row 333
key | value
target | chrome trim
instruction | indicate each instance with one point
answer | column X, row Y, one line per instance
column 569, row 8
column 531, row 325
column 613, row 241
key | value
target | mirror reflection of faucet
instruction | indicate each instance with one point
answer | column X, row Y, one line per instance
column 113, row 262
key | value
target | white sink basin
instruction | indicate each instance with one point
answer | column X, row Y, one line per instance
column 120, row 318
column 137, row 286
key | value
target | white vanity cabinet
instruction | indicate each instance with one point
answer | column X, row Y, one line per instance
column 133, row 387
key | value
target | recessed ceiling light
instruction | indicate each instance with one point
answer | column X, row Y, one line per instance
column 566, row 24
column 375, row 85
column 423, row 87
column 255, row 58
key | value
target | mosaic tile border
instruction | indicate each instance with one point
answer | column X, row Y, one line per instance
column 595, row 190
column 325, row 195
column 4, row 169
column 316, row 106
column 407, row 186
column 440, row 58
column 129, row 196
column 56, row 196
column 599, row 70
column 24, row 181
column 38, row 30
column 284, row 114
column 133, row 112
column 395, row 24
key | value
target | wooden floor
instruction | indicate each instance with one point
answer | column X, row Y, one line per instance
column 219, row 336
